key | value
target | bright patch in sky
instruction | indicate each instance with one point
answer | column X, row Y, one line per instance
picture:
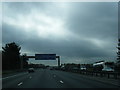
column 44, row 25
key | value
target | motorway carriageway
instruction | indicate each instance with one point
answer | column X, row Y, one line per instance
column 45, row 78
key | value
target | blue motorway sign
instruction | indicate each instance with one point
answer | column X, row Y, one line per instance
column 45, row 56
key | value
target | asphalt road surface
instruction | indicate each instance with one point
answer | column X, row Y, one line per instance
column 45, row 78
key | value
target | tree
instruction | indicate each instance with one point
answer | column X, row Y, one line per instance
column 11, row 56
column 118, row 53
column 117, row 67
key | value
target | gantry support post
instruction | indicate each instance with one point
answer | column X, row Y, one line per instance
column 58, row 60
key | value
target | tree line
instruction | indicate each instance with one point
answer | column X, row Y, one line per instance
column 11, row 58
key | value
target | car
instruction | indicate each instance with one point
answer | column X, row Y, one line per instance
column 51, row 68
column 31, row 70
column 75, row 68
column 83, row 68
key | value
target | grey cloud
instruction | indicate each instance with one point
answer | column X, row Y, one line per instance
column 73, row 48
column 26, row 8
column 95, row 19
column 86, row 20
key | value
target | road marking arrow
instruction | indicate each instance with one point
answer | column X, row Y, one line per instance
column 61, row 81
column 20, row 83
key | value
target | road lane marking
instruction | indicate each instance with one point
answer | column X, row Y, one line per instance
column 30, row 77
column 12, row 76
column 20, row 83
column 61, row 81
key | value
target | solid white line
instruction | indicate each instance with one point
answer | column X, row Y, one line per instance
column 12, row 76
column 61, row 81
column 20, row 83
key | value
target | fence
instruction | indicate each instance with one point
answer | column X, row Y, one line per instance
column 115, row 75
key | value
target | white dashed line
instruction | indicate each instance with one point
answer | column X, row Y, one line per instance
column 61, row 81
column 30, row 77
column 20, row 83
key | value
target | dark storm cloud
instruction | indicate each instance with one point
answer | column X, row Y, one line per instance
column 82, row 49
column 90, row 29
column 94, row 19
column 73, row 48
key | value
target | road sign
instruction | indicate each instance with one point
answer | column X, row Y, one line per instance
column 45, row 56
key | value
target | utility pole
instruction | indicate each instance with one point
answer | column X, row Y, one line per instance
column 58, row 61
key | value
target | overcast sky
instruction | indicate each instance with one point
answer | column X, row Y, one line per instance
column 79, row 32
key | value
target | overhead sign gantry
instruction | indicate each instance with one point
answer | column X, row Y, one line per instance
column 46, row 57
